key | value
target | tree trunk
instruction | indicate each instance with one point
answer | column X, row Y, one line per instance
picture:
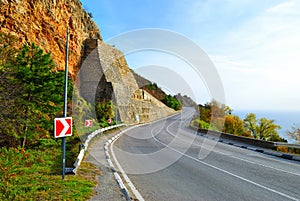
column 23, row 140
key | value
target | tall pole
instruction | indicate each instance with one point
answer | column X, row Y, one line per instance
column 65, row 105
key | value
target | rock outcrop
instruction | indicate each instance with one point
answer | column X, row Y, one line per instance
column 45, row 22
column 104, row 73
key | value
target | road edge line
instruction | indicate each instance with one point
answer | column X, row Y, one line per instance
column 133, row 189
column 110, row 143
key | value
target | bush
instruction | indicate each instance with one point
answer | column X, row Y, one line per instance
column 105, row 110
column 152, row 86
column 172, row 102
column 90, row 14
column 202, row 124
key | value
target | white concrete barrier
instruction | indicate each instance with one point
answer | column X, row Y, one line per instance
column 86, row 144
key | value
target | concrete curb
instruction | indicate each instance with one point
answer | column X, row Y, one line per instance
column 274, row 153
column 260, row 150
column 266, row 151
column 86, row 144
column 116, row 174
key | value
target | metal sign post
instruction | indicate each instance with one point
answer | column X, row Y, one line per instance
column 63, row 143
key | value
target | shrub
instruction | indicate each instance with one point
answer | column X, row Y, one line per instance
column 172, row 102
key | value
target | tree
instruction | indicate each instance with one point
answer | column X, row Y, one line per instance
column 171, row 102
column 152, row 86
column 294, row 133
column 250, row 123
column 90, row 14
column 105, row 110
column 234, row 125
column 262, row 129
column 214, row 113
column 35, row 95
column 8, row 52
column 205, row 112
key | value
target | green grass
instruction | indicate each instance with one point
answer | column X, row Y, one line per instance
column 35, row 174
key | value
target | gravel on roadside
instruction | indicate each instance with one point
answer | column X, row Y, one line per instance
column 107, row 188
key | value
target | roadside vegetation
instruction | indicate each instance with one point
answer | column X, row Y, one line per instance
column 105, row 110
column 31, row 96
column 34, row 174
column 172, row 102
column 294, row 133
column 158, row 93
column 218, row 117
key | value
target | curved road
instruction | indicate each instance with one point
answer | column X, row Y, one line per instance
column 167, row 161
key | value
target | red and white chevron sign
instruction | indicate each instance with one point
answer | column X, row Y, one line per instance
column 62, row 127
column 88, row 123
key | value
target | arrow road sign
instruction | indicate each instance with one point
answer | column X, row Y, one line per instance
column 88, row 123
column 62, row 127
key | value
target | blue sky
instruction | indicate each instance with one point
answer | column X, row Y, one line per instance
column 254, row 44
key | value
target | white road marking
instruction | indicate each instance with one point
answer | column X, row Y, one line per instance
column 128, row 181
column 267, row 166
column 204, row 163
column 242, row 159
column 126, row 178
column 227, row 172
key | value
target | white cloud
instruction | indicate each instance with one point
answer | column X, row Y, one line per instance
column 286, row 7
column 259, row 62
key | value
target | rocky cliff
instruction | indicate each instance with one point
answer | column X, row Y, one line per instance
column 44, row 22
column 100, row 71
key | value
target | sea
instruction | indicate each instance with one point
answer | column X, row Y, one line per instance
column 286, row 119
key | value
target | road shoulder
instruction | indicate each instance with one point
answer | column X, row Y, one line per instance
column 107, row 188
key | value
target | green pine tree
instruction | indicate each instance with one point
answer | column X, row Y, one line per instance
column 36, row 95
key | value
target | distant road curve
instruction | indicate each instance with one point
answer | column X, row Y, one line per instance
column 168, row 153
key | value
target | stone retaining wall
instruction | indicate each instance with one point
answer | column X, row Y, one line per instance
column 105, row 75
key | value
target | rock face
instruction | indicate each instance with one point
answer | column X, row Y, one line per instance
column 45, row 22
column 102, row 70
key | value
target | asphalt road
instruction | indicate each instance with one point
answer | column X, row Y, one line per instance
column 167, row 161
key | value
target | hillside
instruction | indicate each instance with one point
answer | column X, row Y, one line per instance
column 148, row 86
column 45, row 23
column 186, row 101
